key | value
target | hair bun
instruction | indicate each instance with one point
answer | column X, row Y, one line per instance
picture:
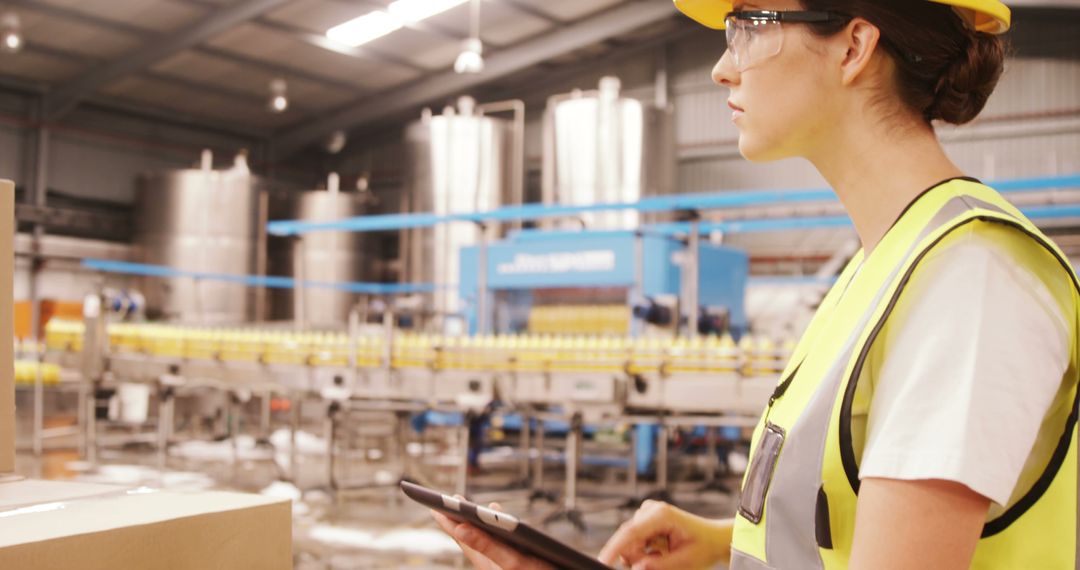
column 967, row 83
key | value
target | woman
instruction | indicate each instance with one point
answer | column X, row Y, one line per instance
column 928, row 417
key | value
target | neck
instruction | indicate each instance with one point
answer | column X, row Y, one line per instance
column 878, row 172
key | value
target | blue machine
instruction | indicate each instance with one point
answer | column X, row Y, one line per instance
column 533, row 260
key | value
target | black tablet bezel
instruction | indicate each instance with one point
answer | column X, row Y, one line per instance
column 504, row 527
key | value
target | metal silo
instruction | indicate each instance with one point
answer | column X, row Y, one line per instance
column 202, row 221
column 600, row 147
column 460, row 161
column 327, row 257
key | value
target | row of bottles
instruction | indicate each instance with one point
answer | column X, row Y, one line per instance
column 26, row 373
column 580, row 320
column 750, row 355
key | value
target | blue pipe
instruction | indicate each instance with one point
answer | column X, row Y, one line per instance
column 270, row 282
column 682, row 202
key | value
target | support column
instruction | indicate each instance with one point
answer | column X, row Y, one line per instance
column 36, row 192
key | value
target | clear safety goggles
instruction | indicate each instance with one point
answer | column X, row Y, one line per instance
column 754, row 36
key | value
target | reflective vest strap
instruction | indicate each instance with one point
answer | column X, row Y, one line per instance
column 791, row 512
column 993, row 214
column 955, row 213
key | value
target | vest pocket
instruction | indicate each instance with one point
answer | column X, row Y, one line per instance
column 758, row 480
column 822, row 527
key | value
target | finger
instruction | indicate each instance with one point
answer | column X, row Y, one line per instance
column 498, row 552
column 495, row 507
column 444, row 522
column 449, row 526
column 623, row 545
column 632, row 538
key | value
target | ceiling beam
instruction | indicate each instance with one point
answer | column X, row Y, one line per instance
column 236, row 95
column 56, row 53
column 284, row 71
column 532, row 87
column 140, row 110
column 131, row 108
column 323, row 42
column 66, row 96
column 150, row 35
column 421, row 26
column 373, row 4
column 619, row 20
column 80, row 17
column 534, row 12
column 22, row 86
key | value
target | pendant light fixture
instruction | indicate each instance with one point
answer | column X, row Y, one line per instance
column 471, row 58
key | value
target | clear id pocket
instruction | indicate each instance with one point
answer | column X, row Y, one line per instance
column 758, row 479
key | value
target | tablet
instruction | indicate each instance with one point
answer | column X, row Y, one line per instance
column 504, row 527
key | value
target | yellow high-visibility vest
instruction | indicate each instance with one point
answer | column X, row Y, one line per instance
column 800, row 492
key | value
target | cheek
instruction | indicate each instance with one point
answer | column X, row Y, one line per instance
column 786, row 107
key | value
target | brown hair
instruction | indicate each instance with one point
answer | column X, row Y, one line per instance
column 945, row 69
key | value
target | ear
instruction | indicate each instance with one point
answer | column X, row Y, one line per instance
column 861, row 39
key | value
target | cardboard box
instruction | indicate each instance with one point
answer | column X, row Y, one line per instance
column 7, row 327
column 51, row 525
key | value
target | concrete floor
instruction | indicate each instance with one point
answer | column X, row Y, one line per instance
column 373, row 528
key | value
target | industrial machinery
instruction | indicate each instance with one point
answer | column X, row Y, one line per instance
column 200, row 220
column 602, row 148
column 461, row 161
column 591, row 283
column 587, row 378
column 312, row 360
column 322, row 258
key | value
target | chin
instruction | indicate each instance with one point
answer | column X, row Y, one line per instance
column 758, row 150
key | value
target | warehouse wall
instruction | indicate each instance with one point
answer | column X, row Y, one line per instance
column 98, row 153
column 61, row 278
column 1030, row 127
column 95, row 154
column 1033, row 124
column 12, row 135
column 11, row 153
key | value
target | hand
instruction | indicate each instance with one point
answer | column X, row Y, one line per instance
column 660, row 536
column 485, row 552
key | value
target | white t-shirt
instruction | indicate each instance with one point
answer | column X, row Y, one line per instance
column 968, row 366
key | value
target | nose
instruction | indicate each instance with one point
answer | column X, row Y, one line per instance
column 724, row 73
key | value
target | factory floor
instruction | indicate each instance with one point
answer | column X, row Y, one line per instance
column 372, row 528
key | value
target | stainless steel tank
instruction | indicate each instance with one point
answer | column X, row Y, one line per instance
column 460, row 161
column 202, row 221
column 326, row 257
column 600, row 147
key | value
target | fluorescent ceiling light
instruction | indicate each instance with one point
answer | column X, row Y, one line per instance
column 364, row 29
column 416, row 10
column 377, row 24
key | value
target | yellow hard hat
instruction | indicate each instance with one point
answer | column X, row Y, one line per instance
column 990, row 16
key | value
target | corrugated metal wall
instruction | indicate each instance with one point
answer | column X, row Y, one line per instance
column 98, row 154
column 1031, row 127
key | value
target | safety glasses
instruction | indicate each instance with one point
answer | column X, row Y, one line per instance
column 754, row 36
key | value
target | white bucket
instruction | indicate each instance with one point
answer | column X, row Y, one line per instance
column 134, row 403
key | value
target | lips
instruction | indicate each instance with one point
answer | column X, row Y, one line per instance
column 736, row 111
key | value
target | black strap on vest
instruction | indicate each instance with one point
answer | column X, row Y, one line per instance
column 847, row 449
column 822, row 526
column 782, row 388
